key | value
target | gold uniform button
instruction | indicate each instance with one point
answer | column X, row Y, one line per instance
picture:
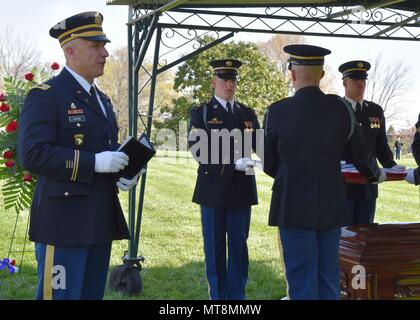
column 66, row 194
column 109, row 141
column 78, row 124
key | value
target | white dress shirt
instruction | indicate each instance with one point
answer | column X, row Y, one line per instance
column 224, row 102
column 86, row 86
column 353, row 103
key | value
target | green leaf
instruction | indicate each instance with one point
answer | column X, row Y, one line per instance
column 16, row 192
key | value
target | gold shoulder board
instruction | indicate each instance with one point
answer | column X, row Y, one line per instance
column 42, row 86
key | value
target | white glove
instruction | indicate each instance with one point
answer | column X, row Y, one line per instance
column 110, row 161
column 244, row 164
column 410, row 176
column 125, row 184
column 382, row 177
column 398, row 167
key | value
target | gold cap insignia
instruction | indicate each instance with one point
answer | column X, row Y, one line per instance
column 98, row 19
column 360, row 65
column 73, row 106
column 78, row 139
column 229, row 63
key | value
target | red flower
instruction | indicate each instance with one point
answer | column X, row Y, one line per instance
column 9, row 163
column 12, row 126
column 2, row 97
column 55, row 66
column 27, row 177
column 8, row 154
column 4, row 107
column 29, row 76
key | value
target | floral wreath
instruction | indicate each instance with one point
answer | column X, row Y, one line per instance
column 17, row 184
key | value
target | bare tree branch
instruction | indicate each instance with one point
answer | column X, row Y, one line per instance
column 17, row 54
column 387, row 85
column 273, row 49
column 115, row 84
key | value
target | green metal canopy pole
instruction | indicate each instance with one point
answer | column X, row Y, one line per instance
column 146, row 27
column 131, row 94
column 148, row 133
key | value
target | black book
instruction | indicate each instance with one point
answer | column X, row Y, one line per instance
column 140, row 152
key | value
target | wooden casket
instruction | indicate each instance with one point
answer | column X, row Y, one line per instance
column 380, row 261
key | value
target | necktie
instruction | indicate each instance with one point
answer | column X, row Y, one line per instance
column 229, row 108
column 358, row 112
column 95, row 100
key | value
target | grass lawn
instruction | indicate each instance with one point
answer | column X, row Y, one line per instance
column 171, row 237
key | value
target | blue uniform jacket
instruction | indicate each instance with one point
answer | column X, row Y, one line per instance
column 306, row 136
column 60, row 130
column 373, row 130
column 219, row 184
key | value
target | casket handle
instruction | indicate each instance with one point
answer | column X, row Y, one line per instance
column 344, row 294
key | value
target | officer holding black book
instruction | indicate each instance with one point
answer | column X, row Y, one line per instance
column 68, row 136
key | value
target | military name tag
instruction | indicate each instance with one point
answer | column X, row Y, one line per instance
column 215, row 121
column 77, row 118
column 75, row 111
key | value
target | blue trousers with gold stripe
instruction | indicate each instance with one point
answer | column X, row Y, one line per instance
column 311, row 262
column 226, row 282
column 72, row 273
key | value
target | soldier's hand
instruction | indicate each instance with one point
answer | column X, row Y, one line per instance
column 398, row 168
column 410, row 176
column 244, row 164
column 382, row 177
column 126, row 184
column 110, row 161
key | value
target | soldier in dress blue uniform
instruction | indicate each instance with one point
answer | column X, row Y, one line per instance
column 361, row 198
column 306, row 136
column 413, row 175
column 225, row 187
column 67, row 134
